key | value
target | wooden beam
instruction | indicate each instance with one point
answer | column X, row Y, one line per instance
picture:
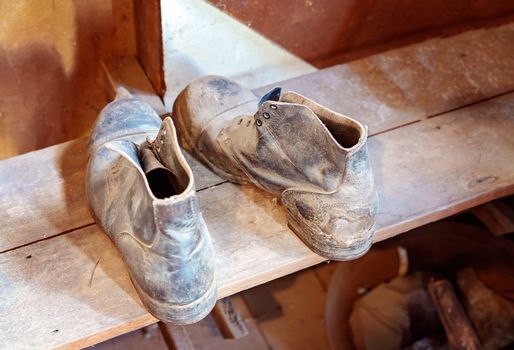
column 147, row 21
column 424, row 172
column 176, row 337
column 497, row 215
column 229, row 320
column 459, row 331
column 382, row 91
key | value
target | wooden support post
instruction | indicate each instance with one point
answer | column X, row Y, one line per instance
column 228, row 319
column 459, row 331
column 497, row 215
column 176, row 337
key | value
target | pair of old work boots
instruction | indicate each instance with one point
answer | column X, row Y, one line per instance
column 141, row 189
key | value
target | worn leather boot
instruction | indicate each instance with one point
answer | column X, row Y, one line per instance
column 314, row 159
column 142, row 194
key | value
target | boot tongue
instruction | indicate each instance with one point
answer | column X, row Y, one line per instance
column 285, row 145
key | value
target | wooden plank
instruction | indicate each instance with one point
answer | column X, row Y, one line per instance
column 497, row 215
column 320, row 29
column 205, row 335
column 228, row 319
column 147, row 22
column 47, row 302
column 458, row 328
column 383, row 91
column 444, row 165
column 424, row 171
column 126, row 72
column 177, row 337
column 390, row 89
column 42, row 193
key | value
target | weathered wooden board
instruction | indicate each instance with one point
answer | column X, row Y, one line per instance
column 42, row 193
column 384, row 91
column 444, row 165
column 497, row 216
column 424, row 171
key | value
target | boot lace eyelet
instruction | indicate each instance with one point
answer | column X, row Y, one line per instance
column 266, row 115
column 273, row 106
column 258, row 122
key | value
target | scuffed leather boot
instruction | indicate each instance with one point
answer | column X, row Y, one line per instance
column 314, row 159
column 142, row 195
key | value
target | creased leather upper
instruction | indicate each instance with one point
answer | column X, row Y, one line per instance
column 315, row 159
column 164, row 242
column 285, row 146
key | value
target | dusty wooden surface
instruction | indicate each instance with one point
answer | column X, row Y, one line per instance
column 79, row 276
column 393, row 88
column 205, row 335
column 424, row 171
column 383, row 91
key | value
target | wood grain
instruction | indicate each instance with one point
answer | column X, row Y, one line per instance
column 205, row 335
column 384, row 91
column 458, row 328
column 390, row 89
column 424, row 171
column 444, row 165
column 228, row 319
column 147, row 22
column 498, row 216
column 176, row 337
column 42, row 194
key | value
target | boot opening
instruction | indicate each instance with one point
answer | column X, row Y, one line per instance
column 347, row 135
column 163, row 182
column 346, row 131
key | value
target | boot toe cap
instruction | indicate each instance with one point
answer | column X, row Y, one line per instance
column 205, row 99
column 332, row 229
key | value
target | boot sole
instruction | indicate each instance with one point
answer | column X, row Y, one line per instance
column 179, row 314
column 331, row 251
